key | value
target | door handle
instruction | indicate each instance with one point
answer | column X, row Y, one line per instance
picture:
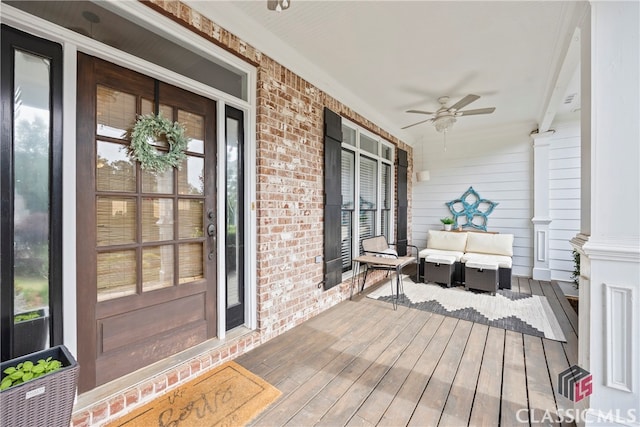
column 211, row 230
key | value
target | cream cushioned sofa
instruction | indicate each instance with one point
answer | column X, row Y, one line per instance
column 477, row 247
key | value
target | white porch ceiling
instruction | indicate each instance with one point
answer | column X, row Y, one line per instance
column 382, row 58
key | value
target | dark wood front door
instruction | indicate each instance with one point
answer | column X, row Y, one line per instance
column 146, row 259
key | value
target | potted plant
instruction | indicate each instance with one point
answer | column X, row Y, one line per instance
column 447, row 222
column 32, row 329
column 46, row 396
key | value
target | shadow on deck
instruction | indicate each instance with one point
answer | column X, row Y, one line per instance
column 362, row 363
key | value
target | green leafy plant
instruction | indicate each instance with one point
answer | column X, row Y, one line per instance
column 23, row 317
column 576, row 269
column 447, row 220
column 149, row 128
column 28, row 370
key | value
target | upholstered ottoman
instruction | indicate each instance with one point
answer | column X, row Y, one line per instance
column 439, row 269
column 481, row 276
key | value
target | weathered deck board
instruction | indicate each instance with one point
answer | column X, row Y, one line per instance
column 557, row 362
column 523, row 283
column 435, row 395
column 341, row 383
column 514, row 384
column 536, row 289
column 571, row 346
column 539, row 388
column 460, row 400
column 405, row 401
column 363, row 364
column 320, row 350
column 372, row 410
column 486, row 403
column 566, row 306
column 328, row 365
column 345, row 407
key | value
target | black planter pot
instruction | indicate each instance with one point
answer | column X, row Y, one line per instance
column 31, row 335
column 45, row 401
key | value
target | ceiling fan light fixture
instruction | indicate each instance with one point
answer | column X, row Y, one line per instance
column 278, row 5
column 444, row 123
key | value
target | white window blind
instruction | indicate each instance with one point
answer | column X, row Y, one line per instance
column 367, row 190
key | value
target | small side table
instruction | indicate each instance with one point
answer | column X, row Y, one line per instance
column 396, row 264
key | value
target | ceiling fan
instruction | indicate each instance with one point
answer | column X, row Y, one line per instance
column 445, row 116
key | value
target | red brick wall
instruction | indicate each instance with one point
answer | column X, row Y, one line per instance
column 289, row 210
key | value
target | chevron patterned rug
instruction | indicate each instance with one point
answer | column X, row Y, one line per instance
column 524, row 313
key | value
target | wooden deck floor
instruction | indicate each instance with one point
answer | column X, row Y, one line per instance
column 361, row 363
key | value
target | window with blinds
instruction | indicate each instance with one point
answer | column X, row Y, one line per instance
column 367, row 190
column 348, row 206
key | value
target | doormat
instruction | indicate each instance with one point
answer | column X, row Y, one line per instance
column 229, row 395
column 524, row 313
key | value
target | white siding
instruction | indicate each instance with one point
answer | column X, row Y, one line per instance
column 564, row 199
column 498, row 164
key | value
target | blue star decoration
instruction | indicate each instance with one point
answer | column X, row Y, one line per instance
column 471, row 207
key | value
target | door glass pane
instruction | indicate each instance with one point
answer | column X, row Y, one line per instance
column 116, row 220
column 157, row 267
column 233, row 205
column 116, row 112
column 191, row 176
column 166, row 111
column 191, row 264
column 116, row 274
column 114, row 169
column 157, row 182
column 148, row 108
column 157, row 219
column 190, row 214
column 194, row 129
column 31, row 200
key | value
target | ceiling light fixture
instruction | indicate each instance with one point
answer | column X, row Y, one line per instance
column 278, row 5
column 444, row 122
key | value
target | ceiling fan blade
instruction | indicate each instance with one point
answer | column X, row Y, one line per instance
column 419, row 112
column 478, row 111
column 464, row 102
column 419, row 123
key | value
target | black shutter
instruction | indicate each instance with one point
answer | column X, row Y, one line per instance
column 332, row 198
column 401, row 240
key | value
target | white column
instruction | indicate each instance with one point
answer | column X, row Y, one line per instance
column 541, row 218
column 609, row 322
